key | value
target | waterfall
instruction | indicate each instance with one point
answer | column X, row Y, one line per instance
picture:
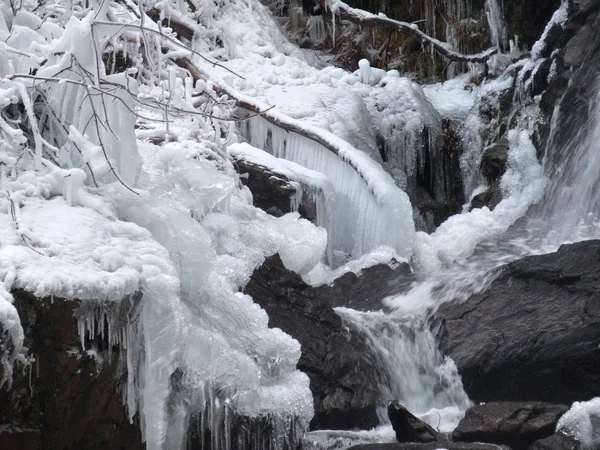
column 570, row 209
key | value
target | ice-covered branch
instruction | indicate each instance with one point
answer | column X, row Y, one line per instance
column 328, row 140
column 360, row 17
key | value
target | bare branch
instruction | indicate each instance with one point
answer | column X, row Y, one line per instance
column 365, row 18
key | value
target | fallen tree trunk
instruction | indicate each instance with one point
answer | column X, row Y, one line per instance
column 364, row 18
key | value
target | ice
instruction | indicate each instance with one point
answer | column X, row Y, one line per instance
column 368, row 210
column 342, row 439
column 582, row 422
column 495, row 17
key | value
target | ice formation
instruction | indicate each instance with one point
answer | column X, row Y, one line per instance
column 582, row 422
column 367, row 209
column 83, row 220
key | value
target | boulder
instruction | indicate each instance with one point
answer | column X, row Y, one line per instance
column 67, row 399
column 516, row 424
column 534, row 334
column 272, row 192
column 493, row 161
column 337, row 362
column 557, row 441
column 409, row 428
column 431, row 446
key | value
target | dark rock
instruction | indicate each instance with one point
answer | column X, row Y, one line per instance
column 515, row 424
column 557, row 441
column 527, row 19
column 569, row 91
column 409, row 428
column 490, row 197
column 13, row 438
column 493, row 161
column 271, row 192
column 533, row 335
column 65, row 400
column 431, row 446
column 365, row 291
column 337, row 362
column 439, row 190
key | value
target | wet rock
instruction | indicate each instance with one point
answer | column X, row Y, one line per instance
column 439, row 190
column 431, row 446
column 337, row 362
column 493, row 161
column 66, row 399
column 557, row 441
column 576, row 55
column 490, row 197
column 515, row 424
column 533, row 335
column 527, row 19
column 364, row 292
column 409, row 428
column 274, row 193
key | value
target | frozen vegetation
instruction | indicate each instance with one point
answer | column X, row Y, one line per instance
column 119, row 181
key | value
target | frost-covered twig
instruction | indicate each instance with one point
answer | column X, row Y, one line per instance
column 171, row 40
column 361, row 17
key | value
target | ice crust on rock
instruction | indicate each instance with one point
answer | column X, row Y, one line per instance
column 582, row 422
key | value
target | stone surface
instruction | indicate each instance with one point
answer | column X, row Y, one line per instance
column 557, row 441
column 273, row 193
column 409, row 428
column 515, row 424
column 336, row 361
column 65, row 400
column 493, row 161
column 533, row 335
column 431, row 446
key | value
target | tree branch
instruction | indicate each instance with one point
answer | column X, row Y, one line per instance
column 360, row 17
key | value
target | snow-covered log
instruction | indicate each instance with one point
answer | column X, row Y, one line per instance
column 361, row 17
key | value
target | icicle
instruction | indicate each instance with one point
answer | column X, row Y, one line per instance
column 356, row 221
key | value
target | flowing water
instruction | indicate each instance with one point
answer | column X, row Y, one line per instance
column 412, row 370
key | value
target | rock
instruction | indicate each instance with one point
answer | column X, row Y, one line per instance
column 439, row 191
column 493, row 161
column 336, row 361
column 569, row 91
column 273, row 193
column 490, row 197
column 65, row 400
column 533, row 335
column 515, row 424
column 430, row 446
column 409, row 428
column 557, row 441
column 527, row 19
column 364, row 292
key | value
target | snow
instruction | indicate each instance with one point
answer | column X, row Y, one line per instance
column 582, row 422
